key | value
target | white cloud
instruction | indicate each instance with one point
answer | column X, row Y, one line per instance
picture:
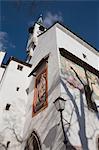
column 52, row 18
column 1, row 46
column 49, row 19
column 12, row 45
column 3, row 40
column 3, row 35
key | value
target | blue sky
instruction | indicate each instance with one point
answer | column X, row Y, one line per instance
column 82, row 17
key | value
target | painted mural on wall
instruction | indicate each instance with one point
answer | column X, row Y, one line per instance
column 40, row 101
column 77, row 77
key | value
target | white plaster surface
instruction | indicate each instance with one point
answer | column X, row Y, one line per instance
column 1, row 72
column 47, row 122
column 15, row 117
column 2, row 55
column 74, row 47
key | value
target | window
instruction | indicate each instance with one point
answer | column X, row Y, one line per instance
column 19, row 67
column 84, row 56
column 27, row 91
column 30, row 30
column 33, row 142
column 7, row 106
column 41, row 28
column 17, row 89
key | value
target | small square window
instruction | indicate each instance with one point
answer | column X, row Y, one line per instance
column 27, row 91
column 7, row 106
column 41, row 28
column 19, row 67
column 17, row 89
column 84, row 56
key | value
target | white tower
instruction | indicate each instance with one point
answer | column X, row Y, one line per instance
column 34, row 31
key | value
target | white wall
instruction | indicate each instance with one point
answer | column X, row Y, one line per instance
column 84, row 123
column 46, row 122
column 84, row 128
column 15, row 117
column 2, row 55
column 1, row 73
column 73, row 46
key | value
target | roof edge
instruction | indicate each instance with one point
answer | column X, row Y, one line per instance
column 78, row 61
column 19, row 61
column 78, row 38
column 73, row 35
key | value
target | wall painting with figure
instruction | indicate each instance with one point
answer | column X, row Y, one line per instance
column 40, row 101
column 76, row 76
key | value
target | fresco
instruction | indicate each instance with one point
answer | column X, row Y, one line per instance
column 40, row 101
column 78, row 77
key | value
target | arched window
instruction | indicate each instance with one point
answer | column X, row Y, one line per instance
column 33, row 142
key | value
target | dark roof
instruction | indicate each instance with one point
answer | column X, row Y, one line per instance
column 19, row 61
column 78, row 61
column 44, row 59
column 3, row 66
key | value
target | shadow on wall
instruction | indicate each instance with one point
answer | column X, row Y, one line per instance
column 50, row 138
column 49, row 141
column 80, row 117
column 55, row 83
column 69, row 147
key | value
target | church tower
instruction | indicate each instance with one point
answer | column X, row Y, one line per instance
column 34, row 31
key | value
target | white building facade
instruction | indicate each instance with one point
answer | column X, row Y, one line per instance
column 13, row 99
column 63, row 67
